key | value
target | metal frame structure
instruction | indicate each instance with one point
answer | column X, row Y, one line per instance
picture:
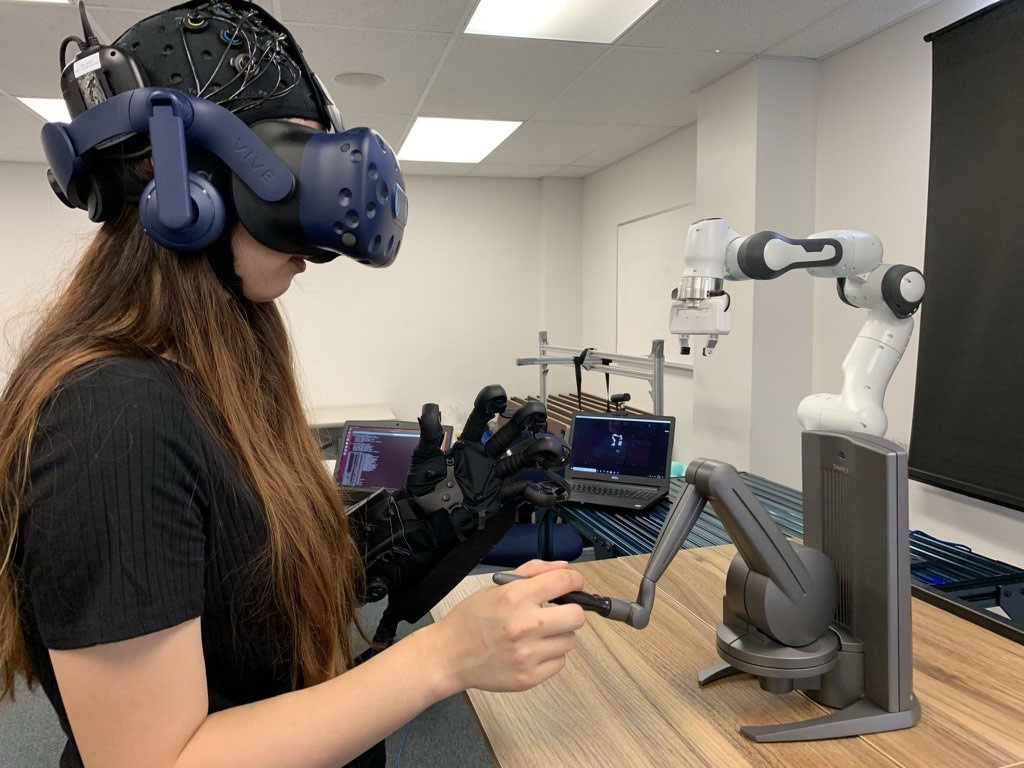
column 650, row 368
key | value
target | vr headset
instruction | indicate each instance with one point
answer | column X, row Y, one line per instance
column 296, row 189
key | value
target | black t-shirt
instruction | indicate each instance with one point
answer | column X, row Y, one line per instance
column 135, row 521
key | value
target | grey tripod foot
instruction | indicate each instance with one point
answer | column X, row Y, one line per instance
column 716, row 672
column 857, row 719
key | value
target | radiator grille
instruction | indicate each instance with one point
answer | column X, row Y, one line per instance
column 836, row 496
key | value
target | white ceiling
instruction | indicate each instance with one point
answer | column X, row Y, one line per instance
column 583, row 105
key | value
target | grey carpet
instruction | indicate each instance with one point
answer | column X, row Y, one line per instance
column 30, row 736
column 446, row 734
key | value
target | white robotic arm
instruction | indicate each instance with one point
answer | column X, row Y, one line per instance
column 891, row 294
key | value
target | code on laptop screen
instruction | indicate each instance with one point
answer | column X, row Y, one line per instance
column 376, row 456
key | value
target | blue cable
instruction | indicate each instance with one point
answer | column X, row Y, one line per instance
column 953, row 544
column 401, row 745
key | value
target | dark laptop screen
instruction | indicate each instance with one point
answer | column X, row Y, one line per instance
column 635, row 447
column 376, row 456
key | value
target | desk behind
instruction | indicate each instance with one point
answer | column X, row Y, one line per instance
column 615, row 534
column 945, row 574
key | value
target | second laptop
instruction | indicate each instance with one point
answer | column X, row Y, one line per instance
column 621, row 461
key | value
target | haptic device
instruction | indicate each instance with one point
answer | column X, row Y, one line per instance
column 831, row 616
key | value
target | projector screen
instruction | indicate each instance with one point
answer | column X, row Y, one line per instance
column 968, row 428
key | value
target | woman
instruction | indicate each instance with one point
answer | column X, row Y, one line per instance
column 178, row 574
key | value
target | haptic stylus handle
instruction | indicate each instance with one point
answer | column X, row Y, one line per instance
column 587, row 601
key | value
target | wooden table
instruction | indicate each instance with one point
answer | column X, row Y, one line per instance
column 630, row 698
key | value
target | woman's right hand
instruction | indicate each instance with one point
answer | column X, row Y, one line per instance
column 506, row 638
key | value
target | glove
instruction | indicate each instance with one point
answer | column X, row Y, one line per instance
column 455, row 507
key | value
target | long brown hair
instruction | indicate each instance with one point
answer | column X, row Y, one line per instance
column 129, row 296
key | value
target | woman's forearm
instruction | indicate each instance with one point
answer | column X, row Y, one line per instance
column 329, row 724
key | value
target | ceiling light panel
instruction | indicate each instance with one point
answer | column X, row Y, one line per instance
column 448, row 140
column 51, row 110
column 590, row 21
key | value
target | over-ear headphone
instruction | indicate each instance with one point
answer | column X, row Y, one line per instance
column 100, row 72
column 102, row 183
column 179, row 208
column 191, row 215
column 96, row 192
column 188, row 233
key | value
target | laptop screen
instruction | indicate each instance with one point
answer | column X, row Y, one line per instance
column 376, row 456
column 616, row 446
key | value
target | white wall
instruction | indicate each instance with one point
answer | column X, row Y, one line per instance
column 561, row 254
column 783, row 309
column 727, row 188
column 40, row 240
column 659, row 178
column 873, row 146
column 474, row 284
column 466, row 296
column 562, row 261
column 755, row 168
column 648, row 263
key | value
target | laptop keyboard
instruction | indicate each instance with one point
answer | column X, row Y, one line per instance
column 618, row 492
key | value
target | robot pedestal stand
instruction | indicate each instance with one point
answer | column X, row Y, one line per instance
column 830, row 617
column 855, row 512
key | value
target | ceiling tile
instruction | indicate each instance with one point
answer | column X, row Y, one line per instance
column 112, row 17
column 112, row 23
column 150, row 6
column 737, row 26
column 391, row 127
column 514, row 171
column 30, row 35
column 414, row 15
column 848, row 24
column 425, row 168
column 683, row 112
column 574, row 171
column 505, row 79
column 21, row 133
column 553, row 143
column 405, row 59
column 631, row 84
column 633, row 140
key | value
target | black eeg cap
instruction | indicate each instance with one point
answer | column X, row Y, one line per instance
column 204, row 49
column 198, row 47
column 193, row 47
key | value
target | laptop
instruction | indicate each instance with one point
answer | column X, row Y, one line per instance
column 377, row 454
column 620, row 460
